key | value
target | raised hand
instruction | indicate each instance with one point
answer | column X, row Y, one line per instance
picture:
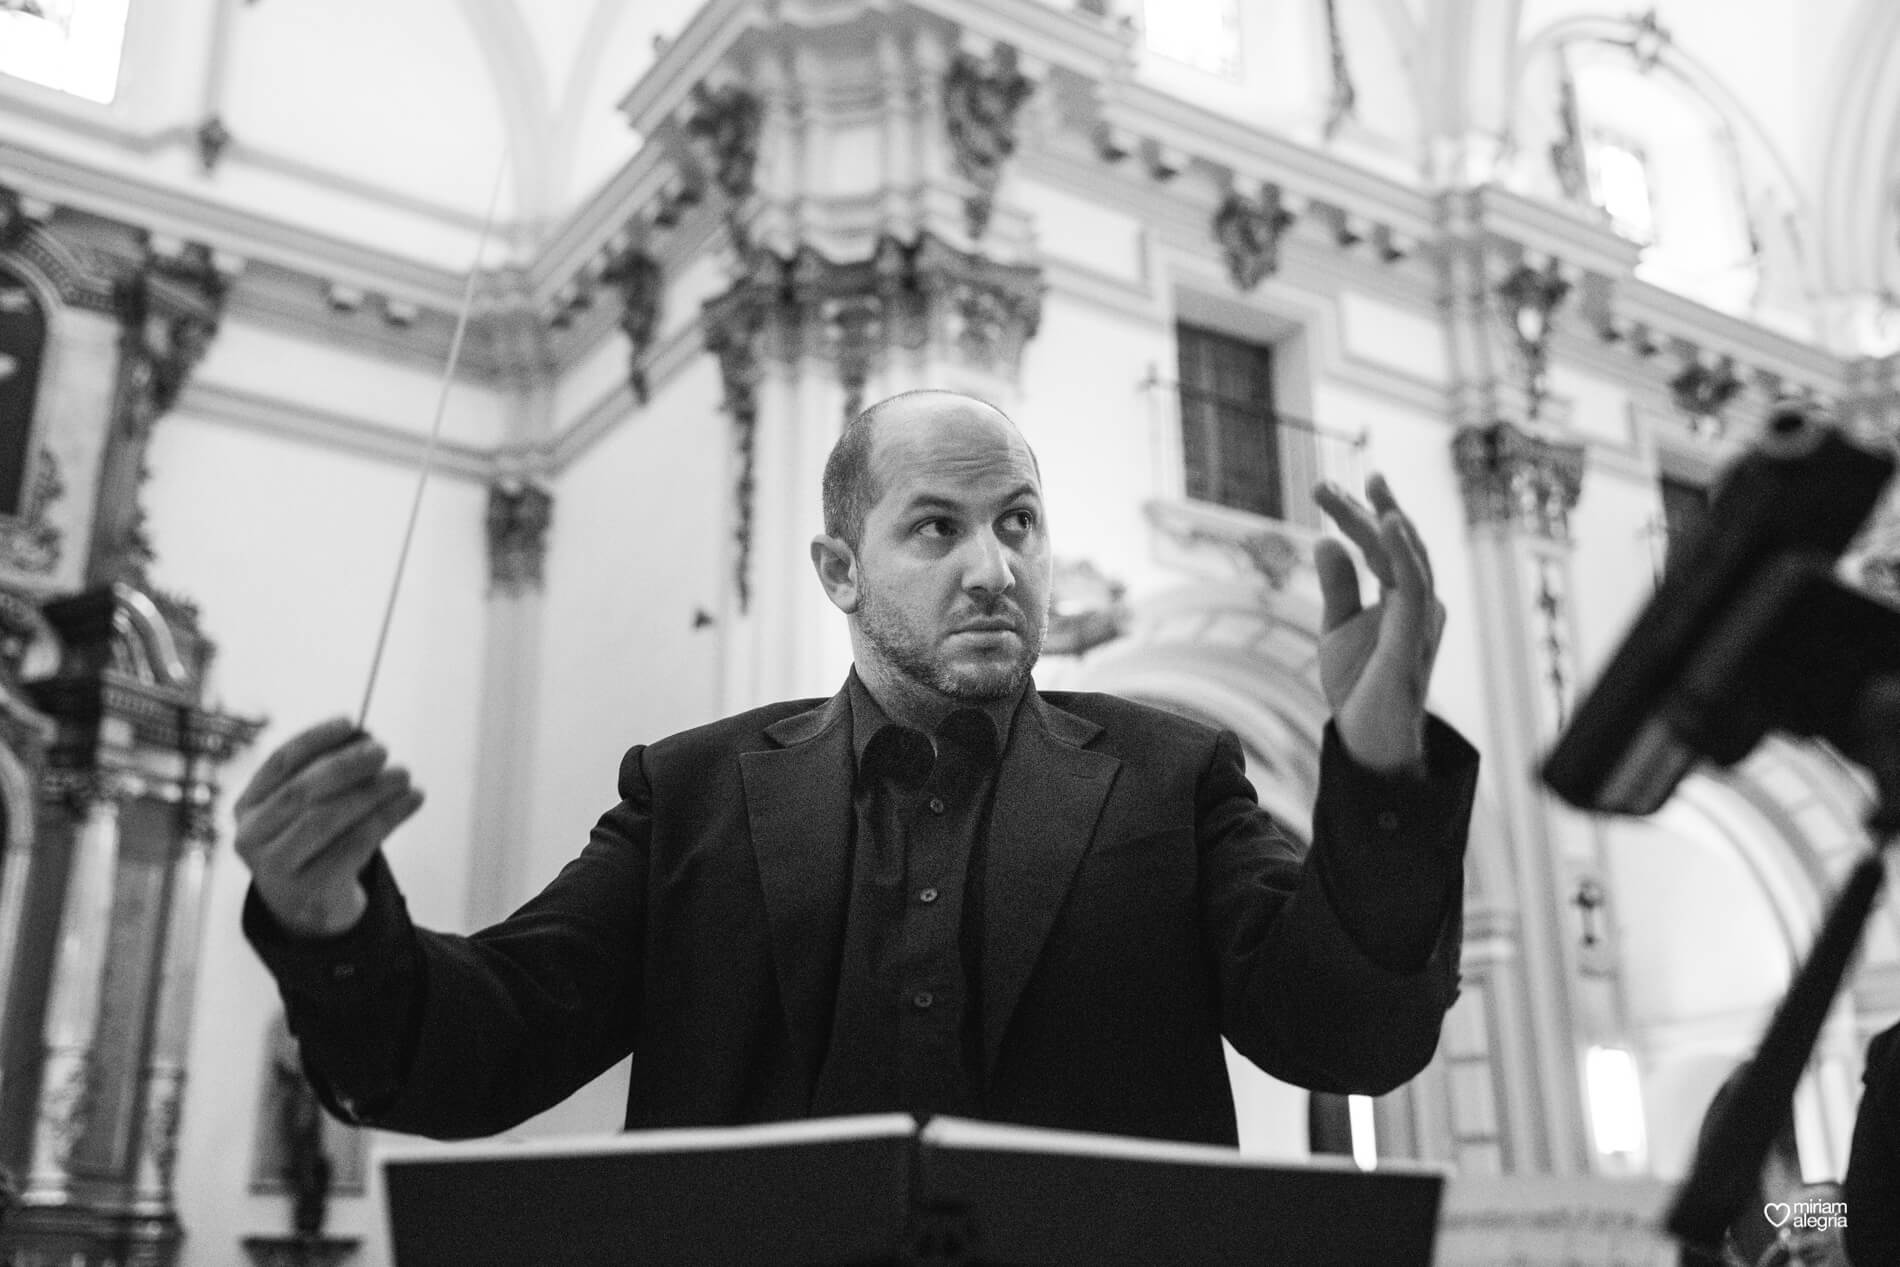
column 312, row 817
column 1376, row 662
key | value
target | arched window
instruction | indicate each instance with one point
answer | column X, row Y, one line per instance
column 22, row 343
column 71, row 45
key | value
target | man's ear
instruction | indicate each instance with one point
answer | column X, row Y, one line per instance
column 837, row 567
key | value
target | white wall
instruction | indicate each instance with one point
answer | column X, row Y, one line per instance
column 288, row 550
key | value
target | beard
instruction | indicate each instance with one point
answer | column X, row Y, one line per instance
column 914, row 653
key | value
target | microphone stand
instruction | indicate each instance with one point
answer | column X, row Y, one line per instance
column 1727, row 1167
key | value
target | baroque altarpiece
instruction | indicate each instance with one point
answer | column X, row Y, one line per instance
column 109, row 751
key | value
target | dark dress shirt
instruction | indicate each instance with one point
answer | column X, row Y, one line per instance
column 907, row 1029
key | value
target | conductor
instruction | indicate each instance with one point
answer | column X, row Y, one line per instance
column 938, row 891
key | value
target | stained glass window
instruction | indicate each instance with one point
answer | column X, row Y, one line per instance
column 71, row 45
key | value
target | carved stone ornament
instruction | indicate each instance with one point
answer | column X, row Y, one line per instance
column 213, row 139
column 734, row 329
column 1518, row 480
column 725, row 123
column 1528, row 300
column 169, row 309
column 1086, row 608
column 65, row 1104
column 518, row 517
column 1703, row 392
column 30, row 542
column 909, row 296
column 981, row 99
column 1249, row 232
column 1343, row 104
column 1566, row 153
column 159, row 1134
column 13, row 219
column 635, row 276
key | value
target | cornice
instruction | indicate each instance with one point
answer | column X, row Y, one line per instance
column 165, row 211
column 269, row 415
column 1141, row 111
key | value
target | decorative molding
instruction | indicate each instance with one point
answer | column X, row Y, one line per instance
column 66, row 1102
column 169, row 309
column 519, row 514
column 1702, row 392
column 1249, row 230
column 1516, row 480
column 1248, row 544
column 30, row 541
column 1343, row 103
column 734, row 328
column 158, row 1137
column 981, row 99
column 213, row 140
column 911, row 296
column 636, row 277
column 1528, row 300
column 725, row 124
column 1086, row 608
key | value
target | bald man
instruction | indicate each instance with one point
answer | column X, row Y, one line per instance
column 939, row 891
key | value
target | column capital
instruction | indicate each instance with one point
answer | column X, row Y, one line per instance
column 519, row 513
column 1518, row 480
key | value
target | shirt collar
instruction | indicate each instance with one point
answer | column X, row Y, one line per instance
column 967, row 727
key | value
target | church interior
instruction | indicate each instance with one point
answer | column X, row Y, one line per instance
column 615, row 273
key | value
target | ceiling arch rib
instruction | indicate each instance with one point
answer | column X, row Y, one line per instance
column 1856, row 230
column 521, row 88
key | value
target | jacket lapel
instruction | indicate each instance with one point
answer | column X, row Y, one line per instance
column 798, row 803
column 1051, row 793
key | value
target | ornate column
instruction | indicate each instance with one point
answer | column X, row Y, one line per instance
column 90, row 801
column 1519, row 490
column 520, row 512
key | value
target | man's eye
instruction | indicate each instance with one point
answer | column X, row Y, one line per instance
column 933, row 528
column 1020, row 520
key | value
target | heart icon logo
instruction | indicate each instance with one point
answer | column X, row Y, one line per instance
column 1777, row 1212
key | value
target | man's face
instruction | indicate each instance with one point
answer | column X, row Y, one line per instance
column 953, row 563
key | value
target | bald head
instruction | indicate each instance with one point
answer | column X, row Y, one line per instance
column 851, row 482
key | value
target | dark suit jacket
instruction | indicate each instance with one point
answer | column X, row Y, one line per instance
column 1872, row 1186
column 1139, row 904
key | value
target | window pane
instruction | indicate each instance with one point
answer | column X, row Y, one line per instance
column 71, row 45
column 1229, row 431
column 1619, row 181
column 1203, row 33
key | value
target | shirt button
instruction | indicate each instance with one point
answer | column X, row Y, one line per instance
column 922, row 1000
column 927, row 896
column 936, row 805
column 342, row 971
column 1388, row 820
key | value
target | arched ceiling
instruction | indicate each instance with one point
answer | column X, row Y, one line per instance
column 386, row 123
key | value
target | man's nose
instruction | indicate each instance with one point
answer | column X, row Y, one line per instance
column 986, row 567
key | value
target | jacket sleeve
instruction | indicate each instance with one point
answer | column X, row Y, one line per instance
column 1336, row 972
column 435, row 1034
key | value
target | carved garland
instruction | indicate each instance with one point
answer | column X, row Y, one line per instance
column 907, row 295
column 1249, row 231
column 981, row 100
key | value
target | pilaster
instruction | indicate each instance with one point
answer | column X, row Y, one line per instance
column 520, row 515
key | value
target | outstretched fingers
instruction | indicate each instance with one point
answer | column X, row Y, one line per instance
column 1360, row 525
